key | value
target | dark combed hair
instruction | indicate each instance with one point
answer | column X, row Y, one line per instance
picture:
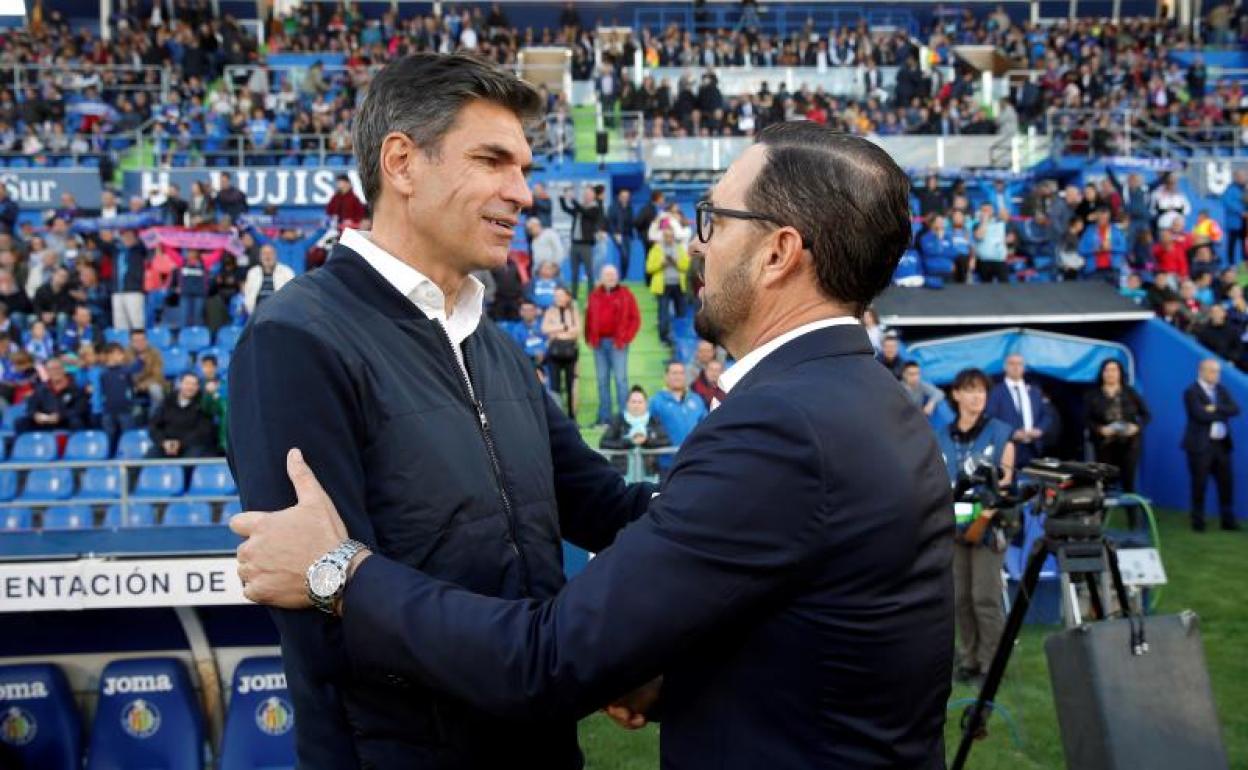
column 972, row 377
column 421, row 96
column 848, row 199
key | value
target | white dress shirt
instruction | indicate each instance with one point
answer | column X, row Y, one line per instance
column 423, row 292
column 741, row 368
column 1022, row 402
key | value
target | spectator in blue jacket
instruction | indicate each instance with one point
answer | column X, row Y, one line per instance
column 292, row 246
column 81, row 329
column 1235, row 202
column 937, row 251
column 1035, row 239
column 190, row 283
column 8, row 212
column 92, row 293
column 116, row 393
column 678, row 408
column 963, row 244
column 527, row 332
column 1103, row 247
column 542, row 289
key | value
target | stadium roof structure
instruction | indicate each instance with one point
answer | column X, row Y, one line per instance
column 996, row 304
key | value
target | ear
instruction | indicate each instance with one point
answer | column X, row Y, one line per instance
column 397, row 161
column 784, row 257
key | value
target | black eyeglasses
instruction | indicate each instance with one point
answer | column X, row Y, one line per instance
column 707, row 213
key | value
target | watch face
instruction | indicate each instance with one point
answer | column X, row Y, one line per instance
column 324, row 580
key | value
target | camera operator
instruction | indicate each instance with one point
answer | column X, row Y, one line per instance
column 971, row 440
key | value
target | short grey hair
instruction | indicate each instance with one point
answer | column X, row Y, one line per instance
column 421, row 96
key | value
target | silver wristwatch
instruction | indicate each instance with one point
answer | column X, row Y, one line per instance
column 327, row 577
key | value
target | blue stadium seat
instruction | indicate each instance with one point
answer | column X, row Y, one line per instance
column 8, row 486
column 39, row 723
column 227, row 338
column 87, row 445
column 193, row 339
column 134, row 444
column 34, row 448
column 120, row 336
column 160, row 481
column 232, row 508
column 68, row 517
column 213, row 481
column 177, row 362
column 184, row 514
column 147, row 717
column 48, row 484
column 259, row 722
column 101, row 483
column 137, row 515
column 11, row 415
column 16, row 519
column 160, row 336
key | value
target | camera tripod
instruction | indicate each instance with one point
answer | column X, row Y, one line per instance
column 1078, row 556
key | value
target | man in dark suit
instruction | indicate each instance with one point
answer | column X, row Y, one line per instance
column 620, row 225
column 791, row 583
column 1026, row 409
column 1207, row 442
column 432, row 435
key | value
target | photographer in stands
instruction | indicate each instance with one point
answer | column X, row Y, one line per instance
column 980, row 546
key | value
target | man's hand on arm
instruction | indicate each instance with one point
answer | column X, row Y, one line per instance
column 273, row 561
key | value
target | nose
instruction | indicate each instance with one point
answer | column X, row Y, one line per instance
column 516, row 190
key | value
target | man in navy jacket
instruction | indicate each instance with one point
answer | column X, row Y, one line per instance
column 791, row 583
column 433, row 436
column 1207, row 442
column 1026, row 409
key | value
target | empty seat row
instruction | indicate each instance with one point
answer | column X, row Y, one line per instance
column 183, row 513
column 105, row 483
column 80, row 446
column 191, row 338
column 147, row 716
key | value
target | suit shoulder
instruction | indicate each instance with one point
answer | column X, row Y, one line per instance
column 303, row 304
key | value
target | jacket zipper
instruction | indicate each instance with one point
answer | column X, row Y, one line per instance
column 483, row 422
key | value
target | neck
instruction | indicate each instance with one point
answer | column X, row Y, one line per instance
column 967, row 420
column 392, row 235
column 772, row 325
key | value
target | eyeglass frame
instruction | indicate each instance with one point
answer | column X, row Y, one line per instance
column 713, row 211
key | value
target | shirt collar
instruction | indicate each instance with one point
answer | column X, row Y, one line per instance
column 419, row 288
column 737, row 372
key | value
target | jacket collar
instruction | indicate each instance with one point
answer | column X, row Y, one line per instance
column 349, row 267
column 843, row 340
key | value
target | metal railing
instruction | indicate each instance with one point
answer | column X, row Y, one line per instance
column 241, row 150
column 636, row 459
column 773, row 18
column 73, row 80
column 1131, row 132
column 128, row 470
column 334, row 76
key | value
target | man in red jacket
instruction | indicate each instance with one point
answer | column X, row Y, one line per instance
column 345, row 208
column 611, row 322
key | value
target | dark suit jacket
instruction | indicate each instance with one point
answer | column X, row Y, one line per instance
column 1043, row 416
column 792, row 582
column 1196, row 437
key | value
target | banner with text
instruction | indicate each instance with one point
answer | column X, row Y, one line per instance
column 263, row 186
column 41, row 188
column 101, row 584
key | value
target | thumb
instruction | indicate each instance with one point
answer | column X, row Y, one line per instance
column 244, row 524
column 307, row 489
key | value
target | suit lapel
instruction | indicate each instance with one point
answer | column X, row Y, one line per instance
column 848, row 339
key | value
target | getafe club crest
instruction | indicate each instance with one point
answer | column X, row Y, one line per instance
column 18, row 727
column 140, row 719
column 274, row 716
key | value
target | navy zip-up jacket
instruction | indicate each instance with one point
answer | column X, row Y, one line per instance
column 342, row 366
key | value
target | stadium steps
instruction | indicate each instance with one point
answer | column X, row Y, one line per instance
column 646, row 359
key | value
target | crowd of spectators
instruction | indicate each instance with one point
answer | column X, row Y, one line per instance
column 80, row 102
